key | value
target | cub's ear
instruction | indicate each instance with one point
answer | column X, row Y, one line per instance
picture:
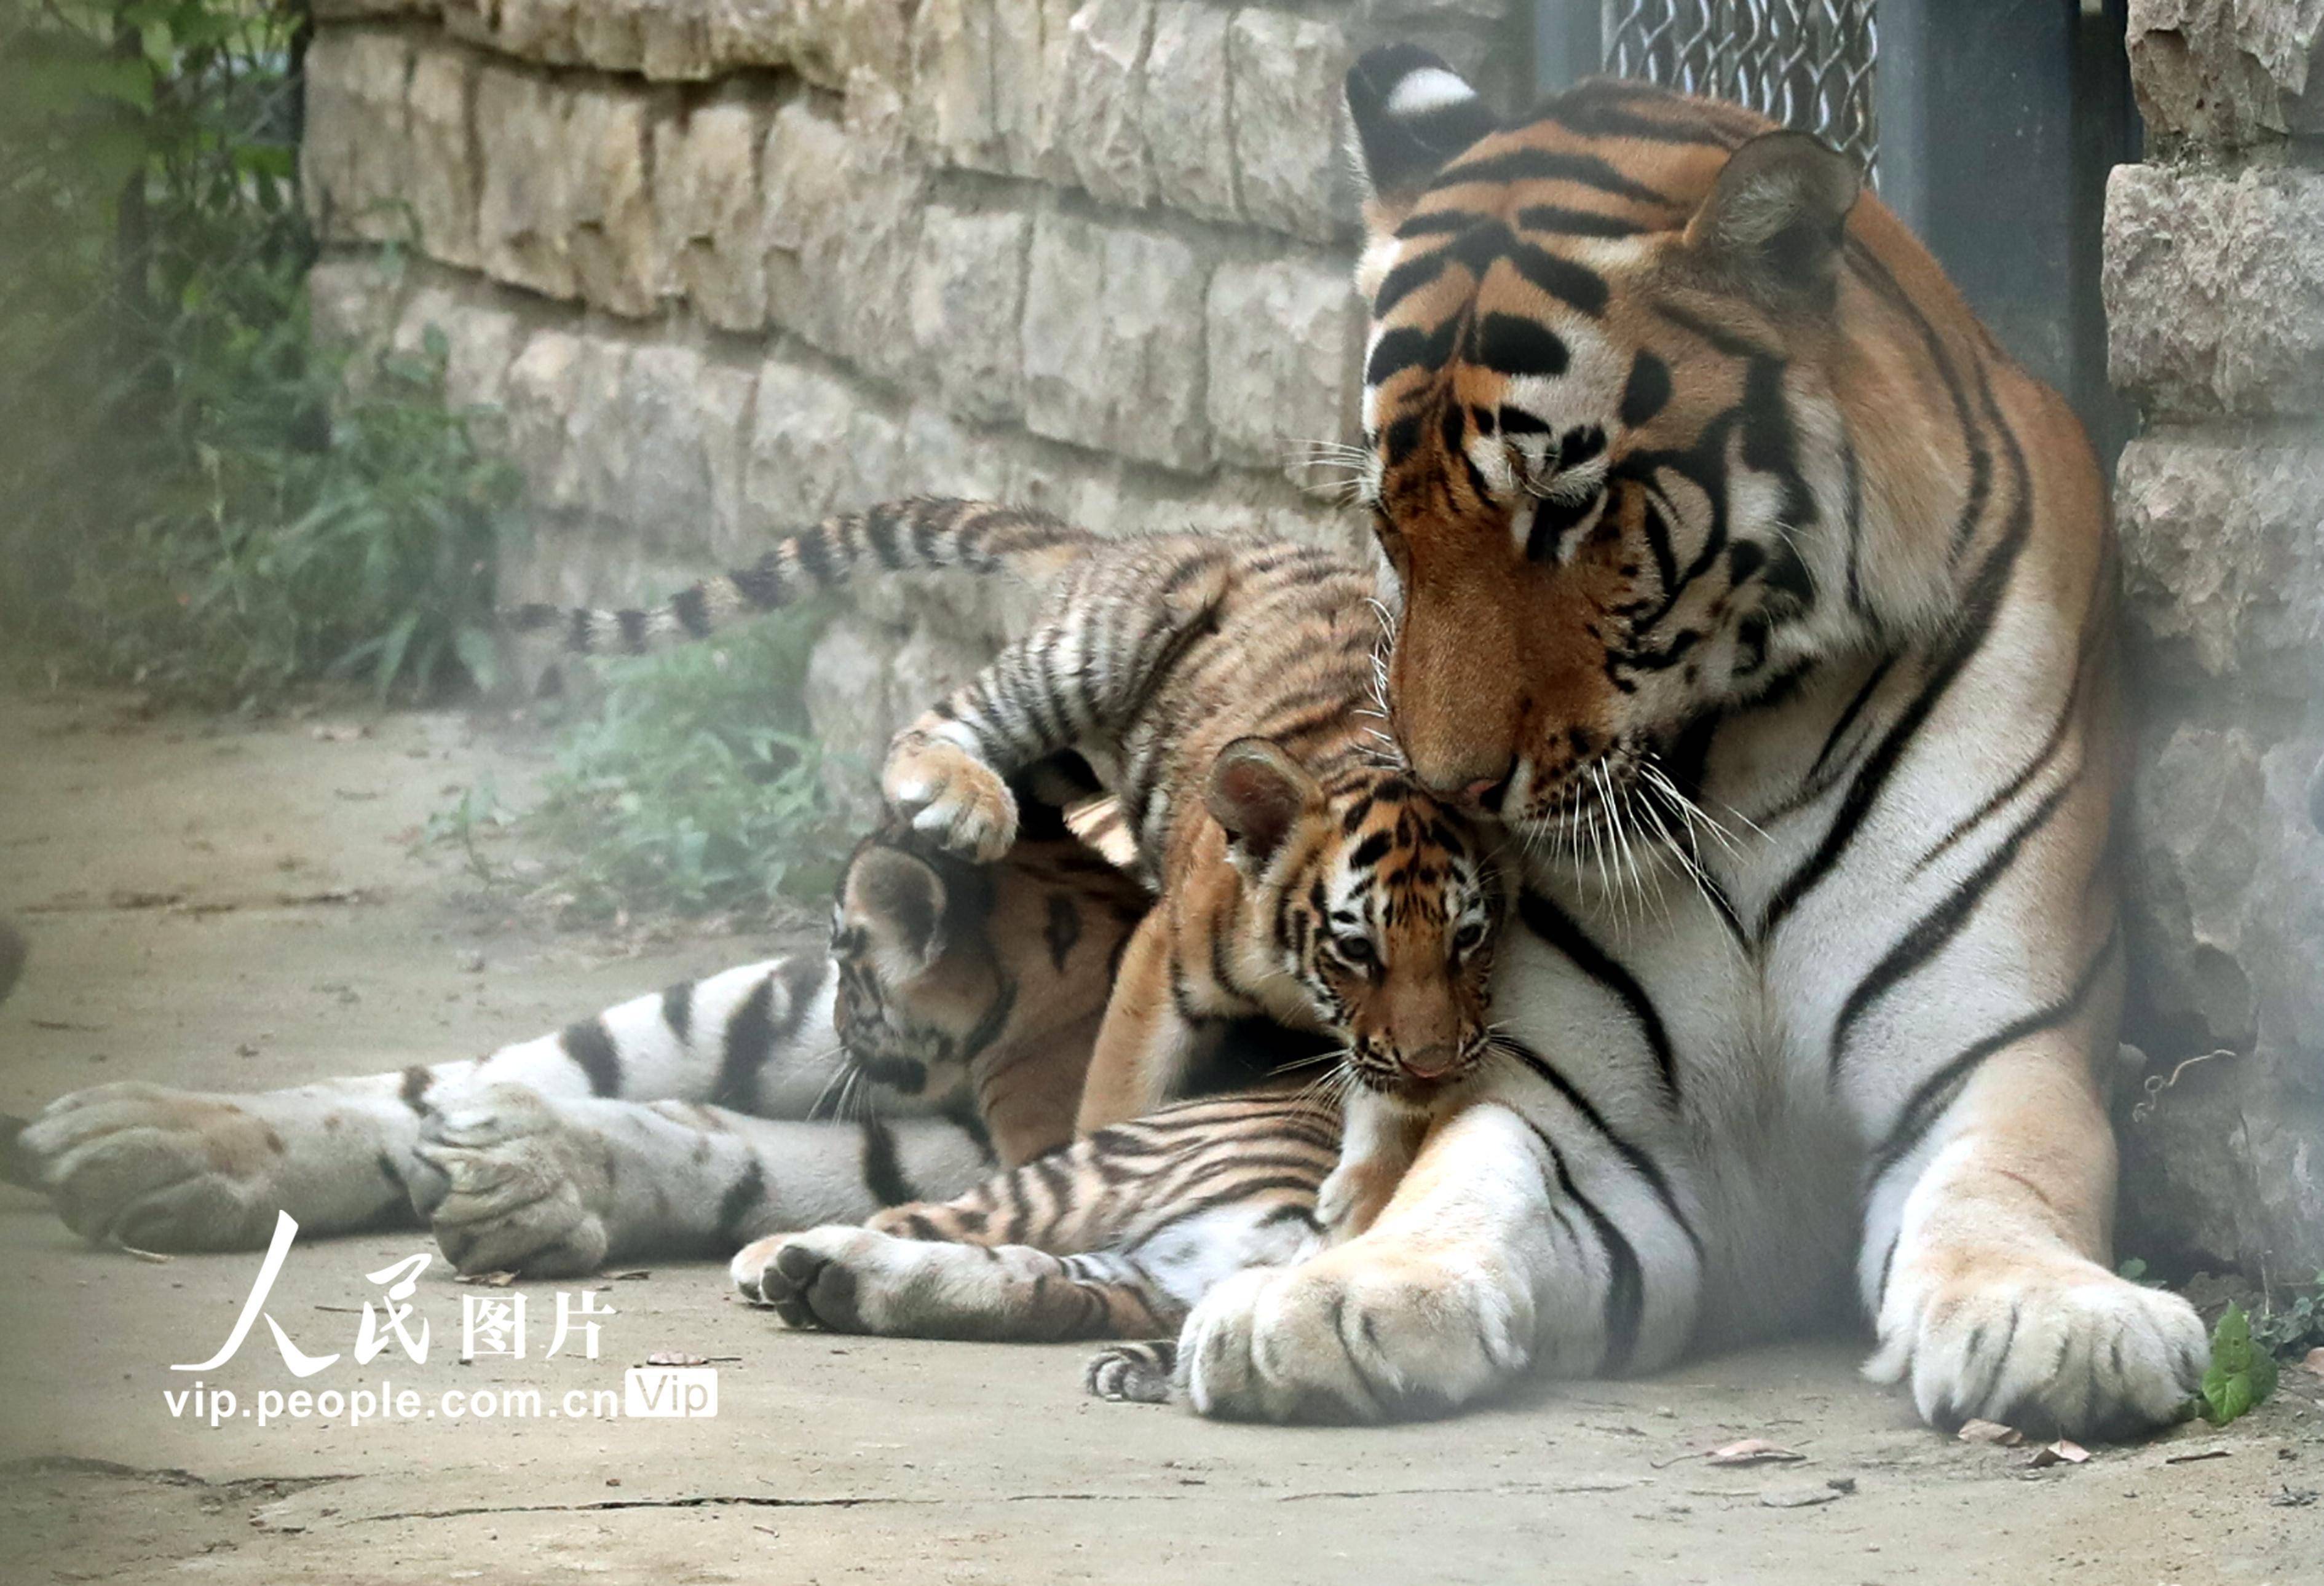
column 1257, row 793
column 1412, row 115
column 897, row 899
column 1774, row 222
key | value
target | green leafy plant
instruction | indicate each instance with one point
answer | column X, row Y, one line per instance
column 475, row 814
column 2295, row 1326
column 697, row 786
column 2242, row 1372
column 199, row 496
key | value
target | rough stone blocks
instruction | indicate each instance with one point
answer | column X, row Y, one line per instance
column 1114, row 345
column 2215, row 288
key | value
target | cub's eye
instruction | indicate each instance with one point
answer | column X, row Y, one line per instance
column 1469, row 938
column 1357, row 950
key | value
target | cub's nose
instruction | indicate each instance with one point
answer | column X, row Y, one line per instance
column 1431, row 1062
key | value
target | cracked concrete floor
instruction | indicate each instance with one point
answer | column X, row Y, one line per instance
column 167, row 872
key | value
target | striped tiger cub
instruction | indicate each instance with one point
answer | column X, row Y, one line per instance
column 688, row 1121
column 1223, row 690
column 1116, row 1236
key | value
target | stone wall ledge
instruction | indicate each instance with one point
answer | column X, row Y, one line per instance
column 761, row 205
column 2214, row 284
column 699, row 445
column 1224, row 112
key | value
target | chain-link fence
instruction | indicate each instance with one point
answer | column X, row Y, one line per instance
column 1806, row 63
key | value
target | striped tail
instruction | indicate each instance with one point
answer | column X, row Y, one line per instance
column 921, row 534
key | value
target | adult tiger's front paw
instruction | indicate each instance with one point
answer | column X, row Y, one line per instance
column 2053, row 1344
column 514, row 1187
column 1355, row 1334
column 950, row 795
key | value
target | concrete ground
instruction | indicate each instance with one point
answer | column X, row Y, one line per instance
column 232, row 906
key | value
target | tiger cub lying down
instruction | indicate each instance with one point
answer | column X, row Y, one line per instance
column 1223, row 692
column 689, row 1121
column 1116, row 1236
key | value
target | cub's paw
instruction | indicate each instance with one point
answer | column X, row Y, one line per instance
column 824, row 1277
column 2055, row 1346
column 1352, row 1335
column 1133, row 1373
column 514, row 1187
column 157, row 1169
column 951, row 795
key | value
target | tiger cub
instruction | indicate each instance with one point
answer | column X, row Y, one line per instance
column 1114, row 1237
column 1223, row 691
column 944, row 1034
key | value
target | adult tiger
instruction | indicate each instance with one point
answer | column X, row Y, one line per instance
column 1706, row 500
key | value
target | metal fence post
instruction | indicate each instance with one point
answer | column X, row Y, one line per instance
column 2000, row 121
column 1568, row 43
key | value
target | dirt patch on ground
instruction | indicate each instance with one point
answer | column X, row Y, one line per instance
column 236, row 906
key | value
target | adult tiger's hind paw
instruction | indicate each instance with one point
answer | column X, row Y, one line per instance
column 2056, row 1346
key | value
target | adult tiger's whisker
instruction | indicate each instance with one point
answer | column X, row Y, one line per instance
column 837, row 1080
column 1689, row 809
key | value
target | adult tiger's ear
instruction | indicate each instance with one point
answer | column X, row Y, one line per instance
column 1412, row 115
column 897, row 899
column 1775, row 220
column 1257, row 793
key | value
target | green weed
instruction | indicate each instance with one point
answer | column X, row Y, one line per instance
column 697, row 787
column 2295, row 1326
column 196, row 496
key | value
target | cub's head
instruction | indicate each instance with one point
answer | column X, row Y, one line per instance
column 947, row 967
column 921, row 990
column 1378, row 900
column 1608, row 476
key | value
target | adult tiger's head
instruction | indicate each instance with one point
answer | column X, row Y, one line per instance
column 1608, row 473
column 1378, row 900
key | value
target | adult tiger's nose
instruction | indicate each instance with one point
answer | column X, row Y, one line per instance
column 1430, row 1062
column 1478, row 784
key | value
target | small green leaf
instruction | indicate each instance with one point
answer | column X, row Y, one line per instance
column 2241, row 1375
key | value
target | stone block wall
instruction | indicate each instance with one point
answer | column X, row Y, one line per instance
column 726, row 265
column 2214, row 277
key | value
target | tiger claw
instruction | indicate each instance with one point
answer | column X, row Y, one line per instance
column 1133, row 1373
